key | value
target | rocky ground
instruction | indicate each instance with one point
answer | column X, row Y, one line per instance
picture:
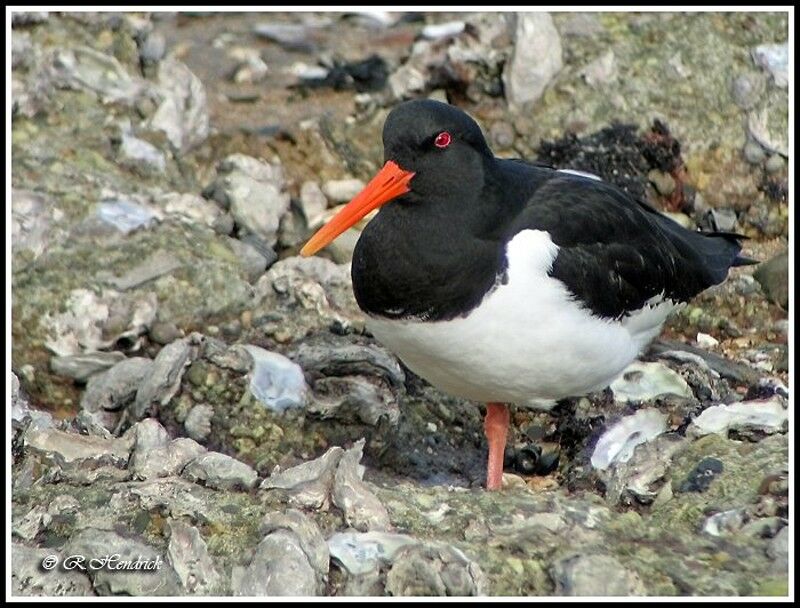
column 188, row 391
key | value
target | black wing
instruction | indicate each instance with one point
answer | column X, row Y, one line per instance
column 615, row 252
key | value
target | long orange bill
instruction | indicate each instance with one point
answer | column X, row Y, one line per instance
column 390, row 182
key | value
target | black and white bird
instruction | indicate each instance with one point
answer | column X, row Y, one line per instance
column 505, row 281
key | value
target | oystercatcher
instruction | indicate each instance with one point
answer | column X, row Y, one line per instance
column 505, row 281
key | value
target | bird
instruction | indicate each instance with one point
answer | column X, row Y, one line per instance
column 506, row 281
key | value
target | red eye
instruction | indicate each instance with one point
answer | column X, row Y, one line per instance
column 442, row 140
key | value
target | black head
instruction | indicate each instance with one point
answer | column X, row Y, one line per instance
column 442, row 145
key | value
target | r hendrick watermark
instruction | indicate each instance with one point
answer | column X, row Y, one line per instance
column 113, row 563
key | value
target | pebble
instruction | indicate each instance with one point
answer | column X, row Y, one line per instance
column 198, row 422
column 183, row 113
column 153, row 48
column 438, row 31
column 313, row 204
column 362, row 553
column 706, row 341
column 747, row 89
column 256, row 193
column 165, row 332
column 125, row 216
column 252, row 262
column 601, row 70
column 434, row 570
column 536, row 59
column 342, row 190
column 502, row 134
column 277, row 382
column 753, row 153
column 220, row 472
column 722, row 219
column 775, row 163
column 290, row 36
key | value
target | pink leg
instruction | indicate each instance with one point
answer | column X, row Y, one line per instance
column 496, row 428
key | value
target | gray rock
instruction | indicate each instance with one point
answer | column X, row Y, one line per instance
column 164, row 377
column 747, row 89
column 253, row 263
column 308, row 484
column 255, row 192
column 308, row 534
column 775, row 59
column 140, row 155
column 69, row 448
column 198, row 422
column 362, row 509
column 182, row 113
column 154, row 455
column 342, row 190
column 618, row 443
column 536, row 59
column 29, row 525
column 109, row 392
column 190, row 208
column 778, row 550
column 277, row 382
column 313, row 204
column 220, row 472
column 644, row 381
column 753, row 153
column 722, row 220
column 82, row 367
column 158, row 578
column 768, row 416
column 35, row 223
column 84, row 68
column 188, row 555
column 363, row 553
column 502, row 134
column 434, row 570
column 164, row 332
column 600, row 71
column 229, row 357
column 438, row 31
column 157, row 264
column 598, row 575
column 775, row 163
column 251, row 68
column 289, row 35
column 124, row 215
column 773, row 276
column 28, row 579
column 153, row 48
column 279, row 567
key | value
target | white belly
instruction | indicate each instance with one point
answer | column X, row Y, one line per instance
column 528, row 342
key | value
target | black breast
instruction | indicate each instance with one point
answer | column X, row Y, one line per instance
column 412, row 263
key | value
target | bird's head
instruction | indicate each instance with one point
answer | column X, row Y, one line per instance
column 431, row 151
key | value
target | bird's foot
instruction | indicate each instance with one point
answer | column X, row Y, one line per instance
column 496, row 428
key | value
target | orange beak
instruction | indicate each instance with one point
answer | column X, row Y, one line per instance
column 388, row 184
